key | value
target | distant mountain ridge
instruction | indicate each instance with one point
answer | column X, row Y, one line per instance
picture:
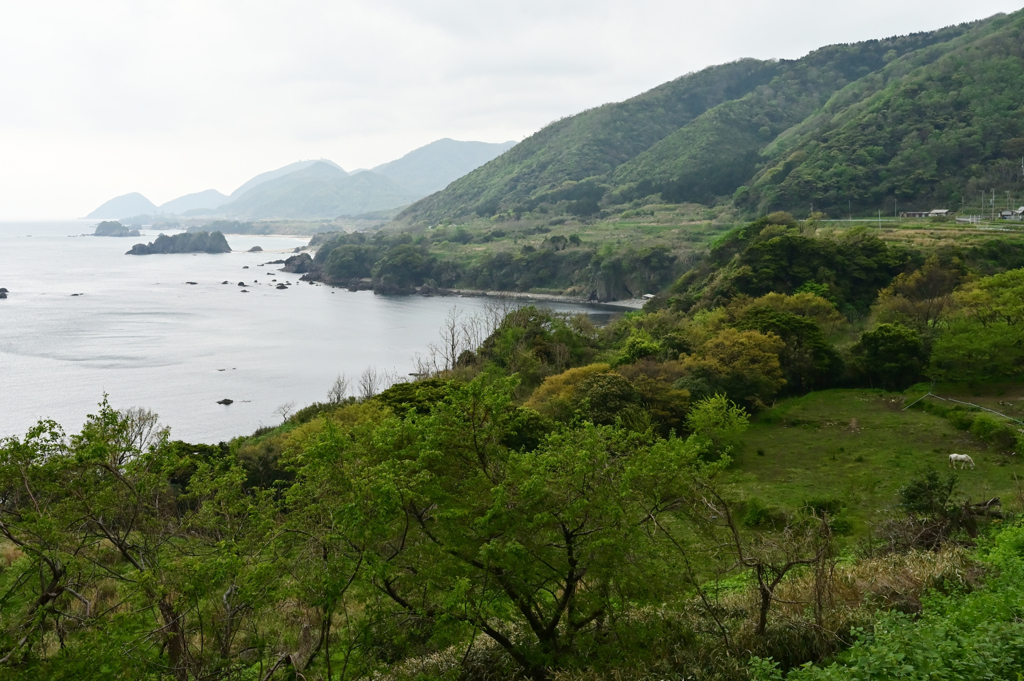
column 280, row 172
column 209, row 199
column 318, row 189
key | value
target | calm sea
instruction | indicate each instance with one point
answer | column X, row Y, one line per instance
column 139, row 333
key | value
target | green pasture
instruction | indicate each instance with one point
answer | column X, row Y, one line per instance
column 860, row 447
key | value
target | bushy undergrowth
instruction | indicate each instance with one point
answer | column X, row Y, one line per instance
column 958, row 635
column 998, row 432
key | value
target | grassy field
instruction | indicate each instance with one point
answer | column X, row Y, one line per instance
column 687, row 230
column 860, row 447
column 927, row 234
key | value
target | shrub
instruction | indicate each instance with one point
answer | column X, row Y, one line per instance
column 758, row 515
column 995, row 432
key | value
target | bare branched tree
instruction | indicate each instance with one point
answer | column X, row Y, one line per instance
column 142, row 428
column 373, row 381
column 425, row 365
column 452, row 340
column 339, row 389
column 285, row 410
column 497, row 308
column 768, row 557
column 462, row 333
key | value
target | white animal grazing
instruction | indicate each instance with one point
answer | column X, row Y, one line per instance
column 962, row 459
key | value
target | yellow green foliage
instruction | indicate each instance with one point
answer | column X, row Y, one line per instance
column 742, row 364
column 655, row 381
column 803, row 304
column 919, row 299
column 554, row 396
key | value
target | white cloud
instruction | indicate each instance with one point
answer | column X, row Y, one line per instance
column 111, row 96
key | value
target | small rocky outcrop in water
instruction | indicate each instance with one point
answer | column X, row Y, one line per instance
column 255, row 249
column 298, row 264
column 3, row 293
column 197, row 242
column 225, row 401
column 114, row 228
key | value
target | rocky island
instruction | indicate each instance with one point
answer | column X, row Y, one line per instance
column 114, row 228
column 198, row 242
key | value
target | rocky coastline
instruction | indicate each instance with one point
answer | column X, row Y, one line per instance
column 115, row 229
column 195, row 242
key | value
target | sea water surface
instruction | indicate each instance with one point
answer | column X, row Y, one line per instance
column 83, row 319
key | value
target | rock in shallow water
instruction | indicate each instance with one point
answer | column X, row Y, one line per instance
column 225, row 401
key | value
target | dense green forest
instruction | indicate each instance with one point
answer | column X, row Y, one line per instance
column 924, row 120
column 746, row 480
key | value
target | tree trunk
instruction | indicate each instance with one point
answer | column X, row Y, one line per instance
column 762, row 613
column 175, row 639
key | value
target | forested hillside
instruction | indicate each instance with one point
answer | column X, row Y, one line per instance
column 592, row 143
column 919, row 133
column 925, row 118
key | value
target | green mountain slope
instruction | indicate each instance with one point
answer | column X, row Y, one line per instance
column 920, row 118
column 720, row 150
column 318, row 191
column 921, row 134
column 592, row 143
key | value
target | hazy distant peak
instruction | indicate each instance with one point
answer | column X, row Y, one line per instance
column 320, row 190
column 211, row 198
column 281, row 172
column 122, row 206
column 434, row 166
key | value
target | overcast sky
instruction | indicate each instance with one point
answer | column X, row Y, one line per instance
column 168, row 97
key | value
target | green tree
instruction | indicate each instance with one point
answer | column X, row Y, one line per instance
column 528, row 547
column 113, row 554
column 985, row 341
column 808, row 361
column 891, row 356
column 609, row 398
column 717, row 424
